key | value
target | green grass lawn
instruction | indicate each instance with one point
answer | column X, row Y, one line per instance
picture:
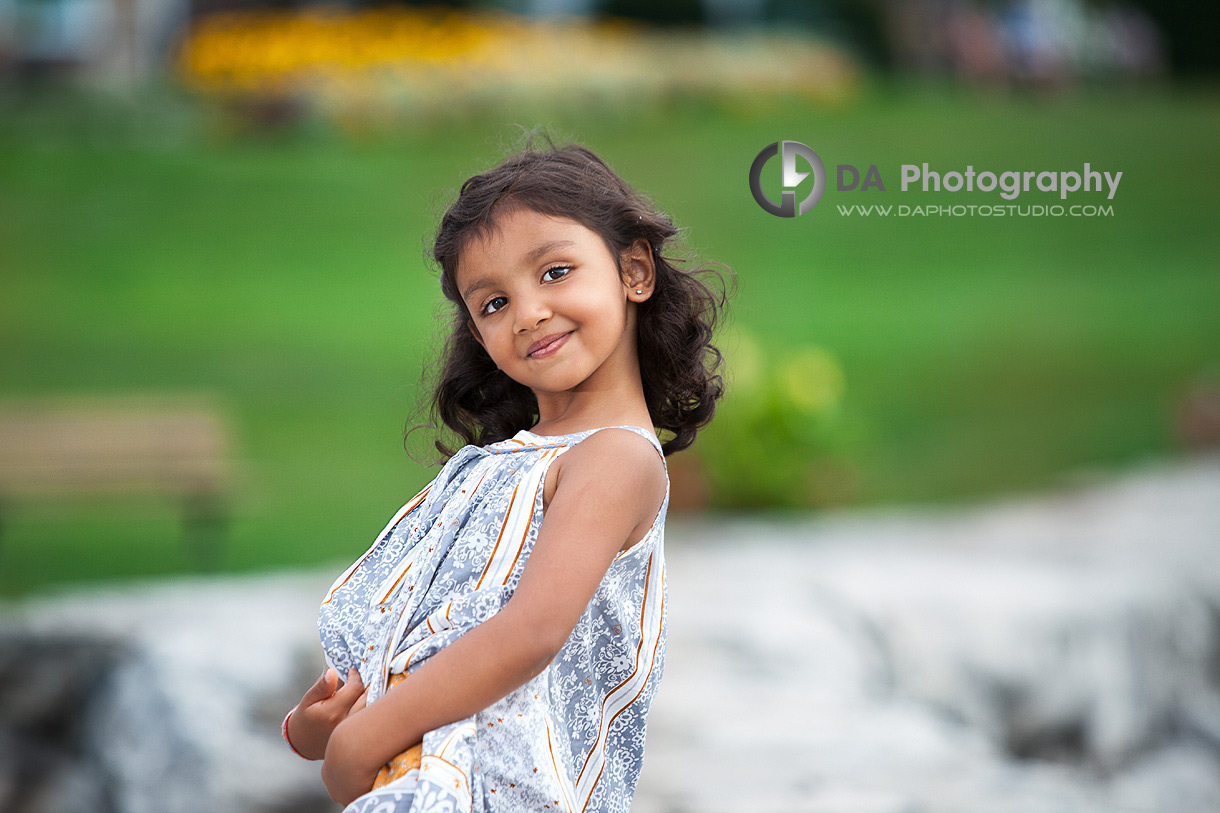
column 286, row 275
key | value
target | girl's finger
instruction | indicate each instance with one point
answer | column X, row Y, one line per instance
column 353, row 687
column 323, row 688
column 360, row 703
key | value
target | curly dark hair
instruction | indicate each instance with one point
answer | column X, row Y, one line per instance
column 679, row 365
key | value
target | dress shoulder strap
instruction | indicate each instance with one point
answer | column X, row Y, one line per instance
column 639, row 430
column 525, row 440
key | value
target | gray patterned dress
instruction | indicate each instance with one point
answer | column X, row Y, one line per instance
column 572, row 738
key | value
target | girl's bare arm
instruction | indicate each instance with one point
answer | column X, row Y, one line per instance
column 610, row 483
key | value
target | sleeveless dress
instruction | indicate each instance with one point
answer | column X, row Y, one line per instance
column 572, row 738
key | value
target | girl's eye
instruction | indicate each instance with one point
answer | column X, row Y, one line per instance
column 554, row 270
column 494, row 304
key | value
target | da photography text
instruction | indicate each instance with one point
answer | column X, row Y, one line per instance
column 799, row 161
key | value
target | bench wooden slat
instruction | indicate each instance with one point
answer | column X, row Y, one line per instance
column 174, row 446
column 63, row 451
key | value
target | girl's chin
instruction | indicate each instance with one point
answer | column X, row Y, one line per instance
column 555, row 386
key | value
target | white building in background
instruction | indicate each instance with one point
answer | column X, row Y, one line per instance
column 114, row 43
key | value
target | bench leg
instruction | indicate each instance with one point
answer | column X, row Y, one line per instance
column 204, row 525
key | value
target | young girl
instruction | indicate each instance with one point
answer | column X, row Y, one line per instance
column 505, row 634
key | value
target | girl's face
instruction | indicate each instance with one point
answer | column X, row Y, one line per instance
column 548, row 304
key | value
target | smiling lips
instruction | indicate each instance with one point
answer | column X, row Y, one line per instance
column 547, row 345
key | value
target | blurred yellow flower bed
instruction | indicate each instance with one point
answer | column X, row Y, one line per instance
column 442, row 56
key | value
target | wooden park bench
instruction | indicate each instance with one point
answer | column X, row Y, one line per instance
column 116, row 448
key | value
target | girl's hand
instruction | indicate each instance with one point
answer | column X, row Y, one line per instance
column 350, row 769
column 322, row 708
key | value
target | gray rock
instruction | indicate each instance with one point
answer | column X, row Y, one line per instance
column 188, row 719
column 1041, row 654
column 1051, row 653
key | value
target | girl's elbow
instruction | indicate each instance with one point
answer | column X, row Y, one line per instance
column 543, row 648
column 539, row 644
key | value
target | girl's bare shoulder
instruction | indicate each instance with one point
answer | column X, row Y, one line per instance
column 615, row 458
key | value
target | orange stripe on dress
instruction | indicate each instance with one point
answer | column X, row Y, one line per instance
column 405, row 762
column 453, row 735
column 652, row 662
column 626, row 680
column 457, row 785
column 404, row 573
column 528, row 526
column 555, row 765
column 521, row 546
column 492, row 558
column 352, row 570
column 397, row 581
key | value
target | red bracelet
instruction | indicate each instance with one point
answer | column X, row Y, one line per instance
column 284, row 729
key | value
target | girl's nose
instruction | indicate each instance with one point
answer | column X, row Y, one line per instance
column 531, row 312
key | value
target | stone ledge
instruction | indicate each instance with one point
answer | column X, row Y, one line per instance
column 1048, row 653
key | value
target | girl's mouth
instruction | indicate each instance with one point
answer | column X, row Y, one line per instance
column 547, row 346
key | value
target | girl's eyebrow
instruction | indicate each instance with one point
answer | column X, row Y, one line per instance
column 532, row 257
column 537, row 253
column 483, row 282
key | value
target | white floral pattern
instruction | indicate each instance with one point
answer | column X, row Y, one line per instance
column 571, row 739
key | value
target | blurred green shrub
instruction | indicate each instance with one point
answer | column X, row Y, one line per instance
column 780, row 436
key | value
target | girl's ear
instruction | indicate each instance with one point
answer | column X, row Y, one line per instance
column 474, row 331
column 639, row 271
